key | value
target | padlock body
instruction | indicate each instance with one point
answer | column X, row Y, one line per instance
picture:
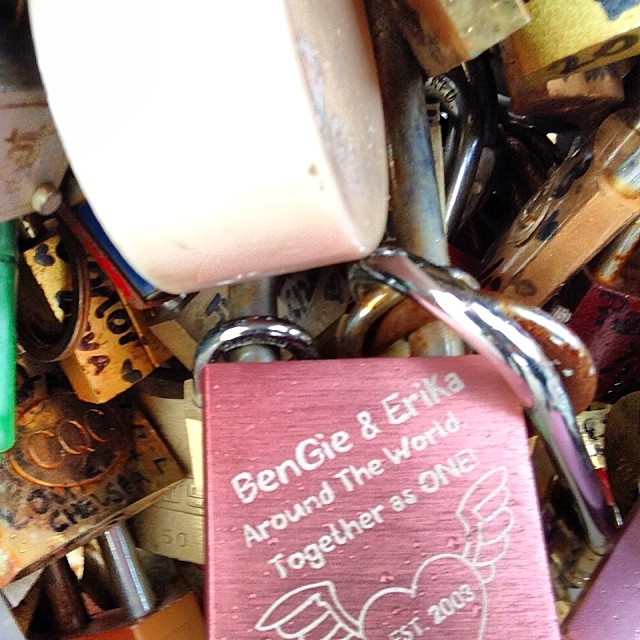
column 75, row 468
column 607, row 319
column 116, row 349
column 575, row 36
column 328, row 487
column 582, row 206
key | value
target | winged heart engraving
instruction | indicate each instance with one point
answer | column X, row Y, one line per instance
column 447, row 596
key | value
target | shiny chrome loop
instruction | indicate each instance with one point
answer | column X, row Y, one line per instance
column 465, row 95
column 479, row 320
column 264, row 330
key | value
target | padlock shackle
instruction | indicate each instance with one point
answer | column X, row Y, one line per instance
column 265, row 330
column 133, row 589
column 515, row 354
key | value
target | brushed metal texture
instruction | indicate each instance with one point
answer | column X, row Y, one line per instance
column 370, row 498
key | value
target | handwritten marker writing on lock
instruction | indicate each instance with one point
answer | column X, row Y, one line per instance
column 271, row 139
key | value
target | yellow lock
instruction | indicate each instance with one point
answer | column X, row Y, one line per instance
column 566, row 37
column 115, row 350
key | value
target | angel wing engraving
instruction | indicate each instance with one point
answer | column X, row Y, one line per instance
column 314, row 611
column 311, row 612
column 487, row 521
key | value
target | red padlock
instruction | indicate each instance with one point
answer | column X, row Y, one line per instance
column 601, row 305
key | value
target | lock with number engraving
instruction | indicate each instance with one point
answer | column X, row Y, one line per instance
column 575, row 36
column 140, row 615
column 76, row 468
column 104, row 347
column 174, row 525
column 593, row 195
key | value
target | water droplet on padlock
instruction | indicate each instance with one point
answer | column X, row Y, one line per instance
column 386, row 578
column 453, row 542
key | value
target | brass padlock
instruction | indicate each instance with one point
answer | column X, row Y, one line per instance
column 76, row 468
column 107, row 348
column 174, row 525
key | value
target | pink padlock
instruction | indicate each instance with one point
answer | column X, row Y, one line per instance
column 386, row 499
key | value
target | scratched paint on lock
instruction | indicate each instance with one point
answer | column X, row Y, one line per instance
column 371, row 499
column 75, row 469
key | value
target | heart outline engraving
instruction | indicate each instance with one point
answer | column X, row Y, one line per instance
column 487, row 521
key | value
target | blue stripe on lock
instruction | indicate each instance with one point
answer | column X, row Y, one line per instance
column 614, row 8
column 90, row 222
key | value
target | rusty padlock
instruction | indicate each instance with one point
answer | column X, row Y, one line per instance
column 75, row 468
column 592, row 196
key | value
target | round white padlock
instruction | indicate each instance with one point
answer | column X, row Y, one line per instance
column 220, row 141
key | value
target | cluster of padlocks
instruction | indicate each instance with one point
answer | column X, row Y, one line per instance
column 320, row 320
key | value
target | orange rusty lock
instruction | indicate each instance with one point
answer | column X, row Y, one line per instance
column 75, row 467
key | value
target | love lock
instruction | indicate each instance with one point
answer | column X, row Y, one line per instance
column 388, row 498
